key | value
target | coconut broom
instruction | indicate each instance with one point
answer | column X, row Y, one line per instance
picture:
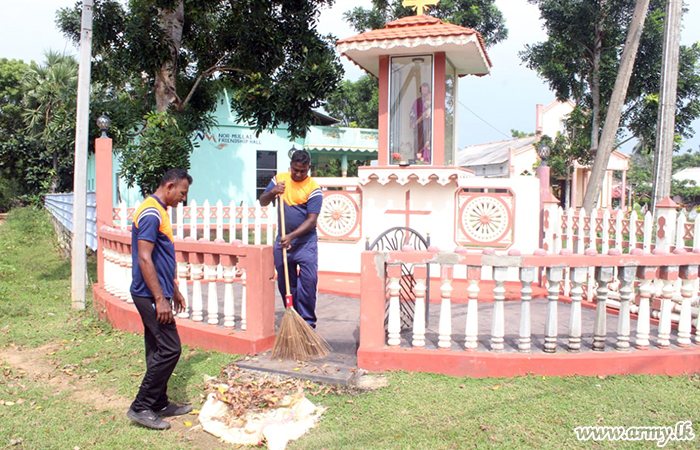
column 295, row 338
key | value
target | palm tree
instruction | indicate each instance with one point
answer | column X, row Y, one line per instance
column 50, row 92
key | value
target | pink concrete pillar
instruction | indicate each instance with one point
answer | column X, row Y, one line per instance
column 103, row 191
column 573, row 201
column 383, row 150
column 372, row 303
column 666, row 224
column 260, row 305
column 538, row 118
column 439, row 110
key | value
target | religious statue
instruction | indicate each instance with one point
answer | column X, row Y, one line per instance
column 421, row 124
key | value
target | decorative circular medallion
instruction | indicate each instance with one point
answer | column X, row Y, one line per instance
column 485, row 219
column 338, row 216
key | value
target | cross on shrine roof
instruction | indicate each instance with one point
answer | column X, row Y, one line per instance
column 419, row 5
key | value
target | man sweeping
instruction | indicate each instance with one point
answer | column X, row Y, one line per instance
column 302, row 199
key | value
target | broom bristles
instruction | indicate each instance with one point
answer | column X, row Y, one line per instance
column 297, row 340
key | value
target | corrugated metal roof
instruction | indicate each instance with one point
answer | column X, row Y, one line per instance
column 491, row 153
column 690, row 173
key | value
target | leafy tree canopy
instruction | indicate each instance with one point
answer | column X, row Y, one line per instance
column 480, row 15
column 580, row 58
column 356, row 103
column 175, row 56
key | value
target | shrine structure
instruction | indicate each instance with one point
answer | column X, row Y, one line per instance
column 416, row 184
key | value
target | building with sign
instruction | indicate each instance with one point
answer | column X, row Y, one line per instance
column 230, row 162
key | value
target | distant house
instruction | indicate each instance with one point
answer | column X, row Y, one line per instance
column 500, row 159
column 517, row 157
column 689, row 173
column 230, row 162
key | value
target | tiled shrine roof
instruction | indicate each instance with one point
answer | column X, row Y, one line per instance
column 419, row 34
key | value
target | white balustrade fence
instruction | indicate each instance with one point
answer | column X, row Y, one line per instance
column 61, row 207
column 250, row 224
column 603, row 230
column 200, row 283
column 636, row 293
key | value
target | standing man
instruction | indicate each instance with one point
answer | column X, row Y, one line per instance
column 155, row 297
column 302, row 199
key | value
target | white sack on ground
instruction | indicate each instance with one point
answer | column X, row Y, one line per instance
column 295, row 416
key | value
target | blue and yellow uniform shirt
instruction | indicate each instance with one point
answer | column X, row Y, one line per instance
column 152, row 224
column 300, row 199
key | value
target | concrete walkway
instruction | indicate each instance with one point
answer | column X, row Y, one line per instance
column 339, row 323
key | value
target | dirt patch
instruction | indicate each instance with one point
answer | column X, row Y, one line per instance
column 2, row 218
column 37, row 364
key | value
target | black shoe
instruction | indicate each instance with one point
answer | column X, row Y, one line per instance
column 148, row 419
column 174, row 410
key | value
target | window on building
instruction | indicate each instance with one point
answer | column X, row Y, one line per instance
column 266, row 169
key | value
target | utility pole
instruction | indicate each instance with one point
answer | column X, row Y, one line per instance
column 666, row 122
column 78, row 257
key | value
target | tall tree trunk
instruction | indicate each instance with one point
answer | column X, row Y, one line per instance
column 172, row 22
column 54, row 176
column 666, row 124
column 595, row 81
column 617, row 100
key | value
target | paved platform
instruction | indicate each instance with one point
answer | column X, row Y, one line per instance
column 339, row 323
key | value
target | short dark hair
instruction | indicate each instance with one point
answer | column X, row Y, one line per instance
column 175, row 175
column 301, row 156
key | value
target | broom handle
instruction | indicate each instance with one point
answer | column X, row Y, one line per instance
column 288, row 297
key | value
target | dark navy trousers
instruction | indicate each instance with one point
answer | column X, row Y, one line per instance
column 163, row 350
column 302, row 260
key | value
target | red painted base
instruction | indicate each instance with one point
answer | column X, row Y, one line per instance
column 124, row 316
column 482, row 364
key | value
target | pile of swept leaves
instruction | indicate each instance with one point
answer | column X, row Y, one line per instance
column 255, row 392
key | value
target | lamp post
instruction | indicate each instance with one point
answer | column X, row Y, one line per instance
column 103, row 124
column 543, row 152
column 543, row 170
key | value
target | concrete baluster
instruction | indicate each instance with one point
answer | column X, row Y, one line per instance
column 420, row 274
column 554, row 278
column 668, row 274
column 646, row 275
column 445, row 324
column 394, row 286
column 627, row 277
column 211, row 262
column 603, row 276
column 500, row 274
column 578, row 277
column 688, row 274
column 527, row 277
column 124, row 284
column 471, row 334
column 228, row 261
column 197, row 266
column 182, row 275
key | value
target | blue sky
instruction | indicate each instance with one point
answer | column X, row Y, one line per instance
column 489, row 106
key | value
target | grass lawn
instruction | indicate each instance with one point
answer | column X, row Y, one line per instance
column 66, row 380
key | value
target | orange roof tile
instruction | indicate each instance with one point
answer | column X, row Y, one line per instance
column 412, row 27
